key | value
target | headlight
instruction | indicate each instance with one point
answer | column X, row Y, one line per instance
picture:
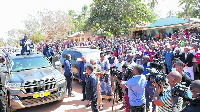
column 60, row 77
column 14, row 85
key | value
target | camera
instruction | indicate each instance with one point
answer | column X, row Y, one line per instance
column 180, row 90
column 116, row 72
column 129, row 71
column 157, row 64
column 154, row 74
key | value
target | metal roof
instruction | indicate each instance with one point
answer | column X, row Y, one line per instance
column 168, row 21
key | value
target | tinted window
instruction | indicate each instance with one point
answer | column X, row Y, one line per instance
column 29, row 63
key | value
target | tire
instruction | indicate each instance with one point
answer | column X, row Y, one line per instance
column 60, row 100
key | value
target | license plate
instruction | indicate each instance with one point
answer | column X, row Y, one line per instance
column 41, row 94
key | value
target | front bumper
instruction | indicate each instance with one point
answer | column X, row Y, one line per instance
column 18, row 99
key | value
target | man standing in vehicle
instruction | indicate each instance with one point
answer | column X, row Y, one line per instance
column 26, row 44
column 68, row 74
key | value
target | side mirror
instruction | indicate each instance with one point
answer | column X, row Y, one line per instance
column 57, row 63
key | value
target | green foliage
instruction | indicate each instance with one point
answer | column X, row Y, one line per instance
column 170, row 13
column 118, row 16
column 2, row 42
column 38, row 37
column 79, row 19
column 194, row 8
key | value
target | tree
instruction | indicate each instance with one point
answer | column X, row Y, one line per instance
column 2, row 42
column 14, row 36
column 170, row 13
column 55, row 24
column 117, row 16
column 79, row 19
column 45, row 25
column 38, row 37
column 193, row 8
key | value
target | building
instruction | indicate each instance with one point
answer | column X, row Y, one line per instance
column 165, row 26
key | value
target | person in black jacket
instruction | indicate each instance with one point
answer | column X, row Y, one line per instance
column 91, row 87
column 194, row 105
column 177, row 54
column 179, row 65
column 187, row 59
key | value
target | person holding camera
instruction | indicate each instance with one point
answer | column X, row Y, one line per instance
column 178, row 66
column 127, row 74
column 91, row 87
column 119, row 76
column 136, row 89
column 194, row 105
column 165, row 102
column 150, row 88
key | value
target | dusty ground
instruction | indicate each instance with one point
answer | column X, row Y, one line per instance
column 72, row 104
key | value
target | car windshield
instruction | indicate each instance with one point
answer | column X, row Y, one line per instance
column 29, row 63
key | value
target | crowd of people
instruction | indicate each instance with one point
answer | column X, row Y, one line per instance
column 124, row 65
column 127, row 61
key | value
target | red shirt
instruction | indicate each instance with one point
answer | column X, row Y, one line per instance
column 198, row 57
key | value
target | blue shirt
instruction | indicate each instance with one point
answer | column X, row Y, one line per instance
column 91, row 87
column 169, row 56
column 136, row 90
column 68, row 68
column 24, row 47
column 82, row 68
column 48, row 52
column 146, row 72
column 104, row 65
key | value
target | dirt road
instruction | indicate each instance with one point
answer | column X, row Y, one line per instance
column 72, row 104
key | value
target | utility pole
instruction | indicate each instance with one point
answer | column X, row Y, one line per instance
column 188, row 15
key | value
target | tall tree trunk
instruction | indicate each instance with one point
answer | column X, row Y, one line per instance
column 188, row 15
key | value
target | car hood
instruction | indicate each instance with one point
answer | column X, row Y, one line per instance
column 34, row 74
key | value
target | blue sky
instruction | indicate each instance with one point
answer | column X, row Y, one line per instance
column 13, row 12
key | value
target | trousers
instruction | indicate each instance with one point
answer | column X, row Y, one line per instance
column 149, row 93
column 83, row 89
column 69, row 84
column 105, row 80
column 138, row 108
column 94, row 106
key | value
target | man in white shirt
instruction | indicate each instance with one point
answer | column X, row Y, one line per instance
column 195, row 62
column 119, row 76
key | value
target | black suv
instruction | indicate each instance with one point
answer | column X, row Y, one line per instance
column 29, row 81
